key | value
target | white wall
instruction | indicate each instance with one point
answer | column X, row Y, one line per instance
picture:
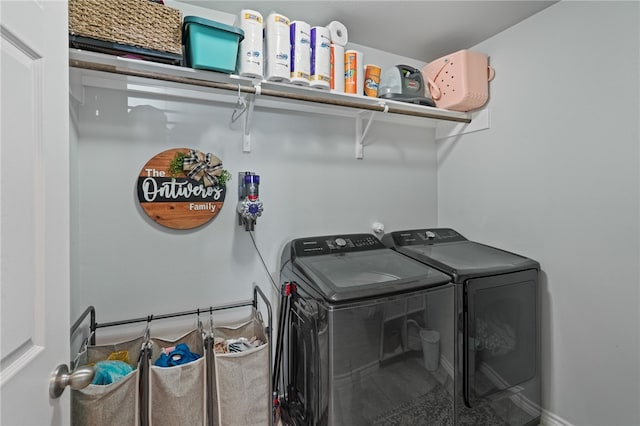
column 557, row 178
column 128, row 266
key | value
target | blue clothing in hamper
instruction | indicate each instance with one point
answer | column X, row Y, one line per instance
column 110, row 371
column 179, row 355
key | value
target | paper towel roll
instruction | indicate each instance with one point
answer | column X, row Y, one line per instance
column 354, row 72
column 278, row 47
column 300, row 52
column 338, row 32
column 251, row 55
column 337, row 68
column 320, row 57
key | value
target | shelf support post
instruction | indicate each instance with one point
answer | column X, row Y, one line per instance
column 246, row 131
column 362, row 133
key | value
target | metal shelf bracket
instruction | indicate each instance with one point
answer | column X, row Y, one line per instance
column 361, row 132
column 246, row 131
column 244, row 106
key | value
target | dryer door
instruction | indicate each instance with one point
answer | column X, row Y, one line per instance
column 500, row 345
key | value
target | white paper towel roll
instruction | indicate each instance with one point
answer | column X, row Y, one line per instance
column 278, row 47
column 320, row 57
column 251, row 55
column 300, row 52
column 338, row 32
column 337, row 68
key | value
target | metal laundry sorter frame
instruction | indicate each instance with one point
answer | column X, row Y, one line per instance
column 261, row 356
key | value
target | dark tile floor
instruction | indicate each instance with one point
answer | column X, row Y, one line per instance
column 405, row 393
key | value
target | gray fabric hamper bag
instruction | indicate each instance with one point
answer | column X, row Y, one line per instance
column 242, row 378
column 177, row 393
column 113, row 404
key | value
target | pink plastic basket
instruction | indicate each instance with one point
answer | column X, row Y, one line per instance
column 459, row 81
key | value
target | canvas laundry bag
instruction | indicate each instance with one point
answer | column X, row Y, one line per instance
column 177, row 393
column 242, row 378
column 113, row 404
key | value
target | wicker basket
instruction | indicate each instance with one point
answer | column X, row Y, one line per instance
column 139, row 23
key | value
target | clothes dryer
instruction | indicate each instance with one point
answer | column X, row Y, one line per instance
column 497, row 324
column 354, row 352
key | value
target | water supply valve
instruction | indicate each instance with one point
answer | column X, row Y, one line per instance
column 249, row 204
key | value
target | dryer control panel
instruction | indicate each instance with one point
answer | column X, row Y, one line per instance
column 426, row 236
column 315, row 246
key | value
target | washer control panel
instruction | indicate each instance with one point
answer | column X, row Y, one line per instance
column 315, row 246
column 426, row 236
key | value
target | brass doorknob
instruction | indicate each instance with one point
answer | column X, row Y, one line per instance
column 78, row 379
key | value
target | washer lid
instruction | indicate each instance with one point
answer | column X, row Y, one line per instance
column 450, row 252
column 467, row 255
column 373, row 270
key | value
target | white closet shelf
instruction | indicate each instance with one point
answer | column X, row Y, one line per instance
column 170, row 81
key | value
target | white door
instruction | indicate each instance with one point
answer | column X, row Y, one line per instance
column 34, row 213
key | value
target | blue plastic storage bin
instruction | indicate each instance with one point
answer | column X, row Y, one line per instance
column 211, row 45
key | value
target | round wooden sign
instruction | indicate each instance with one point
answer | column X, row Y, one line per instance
column 182, row 188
